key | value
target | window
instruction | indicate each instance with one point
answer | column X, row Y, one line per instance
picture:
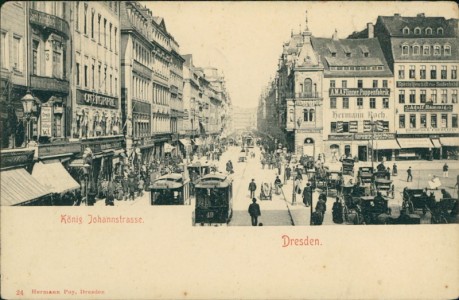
column 375, row 83
column 433, row 72
column 77, row 16
column 437, row 51
column 332, row 83
column 35, row 45
column 85, row 76
column 412, row 73
column 105, row 32
column 384, row 83
column 405, row 49
column 444, row 72
column 412, row 121
column 454, row 121
column 17, row 50
column 333, row 127
column 360, row 103
column 116, row 86
column 423, row 98
column 345, row 102
column 365, row 54
column 433, row 95
column 401, row 96
column 401, row 72
column 423, row 121
column 433, row 120
column 416, row 50
column 422, row 72
column 98, row 28
column 348, row 54
column 444, row 121
column 110, row 36
column 406, row 30
column 385, row 102
column 440, row 31
column 401, row 121
column 78, row 74
column 116, row 32
column 305, row 115
column 85, row 24
column 92, row 75
column 92, row 23
column 333, row 54
column 454, row 96
column 105, row 79
column 412, row 96
column 444, row 96
column 5, row 52
column 332, row 102
column 344, row 84
column 372, row 102
column 360, row 83
column 345, row 127
column 111, row 84
column 417, row 30
column 447, row 50
column 454, row 72
column 428, row 30
column 426, row 50
column 99, row 76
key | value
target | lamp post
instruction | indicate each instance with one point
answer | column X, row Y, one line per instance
column 86, row 169
column 27, row 103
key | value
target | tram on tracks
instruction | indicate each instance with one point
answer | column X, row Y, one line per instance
column 170, row 189
column 214, row 199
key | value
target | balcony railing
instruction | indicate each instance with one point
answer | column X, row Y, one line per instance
column 49, row 84
column 50, row 22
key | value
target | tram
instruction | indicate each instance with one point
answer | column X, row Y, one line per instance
column 170, row 189
column 214, row 199
column 248, row 141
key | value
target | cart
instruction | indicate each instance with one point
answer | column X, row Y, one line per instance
column 384, row 186
column 417, row 199
column 334, row 183
column 372, row 212
column 365, row 176
column 266, row 191
column 348, row 166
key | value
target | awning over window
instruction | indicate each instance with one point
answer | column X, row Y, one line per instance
column 168, row 147
column 185, row 142
column 450, row 141
column 54, row 177
column 17, row 186
column 436, row 143
column 415, row 143
column 385, row 144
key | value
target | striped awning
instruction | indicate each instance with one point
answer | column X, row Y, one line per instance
column 54, row 177
column 18, row 186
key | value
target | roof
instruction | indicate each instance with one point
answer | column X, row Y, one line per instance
column 340, row 65
column 17, row 186
column 213, row 180
column 397, row 44
column 395, row 25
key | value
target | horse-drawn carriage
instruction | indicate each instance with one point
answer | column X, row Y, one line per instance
column 445, row 211
column 348, row 166
column 417, row 199
column 385, row 187
column 365, row 176
column 266, row 191
column 242, row 155
column 334, row 182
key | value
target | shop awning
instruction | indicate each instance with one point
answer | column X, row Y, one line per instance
column 385, row 144
column 202, row 126
column 54, row 177
column 415, row 143
column 168, row 147
column 185, row 142
column 450, row 141
column 17, row 186
column 198, row 141
column 436, row 143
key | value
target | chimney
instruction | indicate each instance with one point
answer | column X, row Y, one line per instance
column 335, row 35
column 421, row 15
column 397, row 16
column 371, row 30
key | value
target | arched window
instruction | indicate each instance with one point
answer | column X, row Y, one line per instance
column 406, row 30
column 447, row 50
column 416, row 50
column 440, row 31
column 311, row 115
column 428, row 30
column 308, row 141
column 417, row 30
column 291, row 114
column 308, row 86
column 305, row 115
column 426, row 50
column 405, row 50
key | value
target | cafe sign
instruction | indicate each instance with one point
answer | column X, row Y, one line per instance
column 359, row 92
column 427, row 108
column 95, row 99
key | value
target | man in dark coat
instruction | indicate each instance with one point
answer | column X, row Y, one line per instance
column 288, row 172
column 307, row 195
column 254, row 212
column 337, row 211
column 252, row 188
column 410, row 176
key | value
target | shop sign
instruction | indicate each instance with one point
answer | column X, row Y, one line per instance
column 341, row 137
column 427, row 108
column 427, row 84
column 100, row 146
column 46, row 118
column 94, row 99
column 432, row 130
column 376, row 136
column 16, row 158
column 308, row 103
column 309, row 130
column 359, row 92
column 358, row 115
column 57, row 149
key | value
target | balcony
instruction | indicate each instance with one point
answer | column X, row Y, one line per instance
column 50, row 23
column 142, row 69
column 304, row 95
column 49, row 84
column 173, row 89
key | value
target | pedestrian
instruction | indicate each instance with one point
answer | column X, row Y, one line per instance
column 254, row 212
column 394, row 170
column 288, row 172
column 141, row 186
column 388, row 173
column 125, row 185
column 445, row 170
column 307, row 195
column 321, row 207
column 410, row 176
column 277, row 185
column 445, row 194
column 252, row 188
column 109, row 200
column 337, row 211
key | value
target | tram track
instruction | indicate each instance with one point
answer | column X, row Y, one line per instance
column 288, row 208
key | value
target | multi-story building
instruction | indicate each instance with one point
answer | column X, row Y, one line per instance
column 244, row 118
column 176, row 90
column 96, row 87
column 358, row 106
column 423, row 54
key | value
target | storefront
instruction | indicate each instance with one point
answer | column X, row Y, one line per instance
column 450, row 147
column 185, row 146
column 415, row 148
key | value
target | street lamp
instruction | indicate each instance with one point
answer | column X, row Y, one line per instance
column 86, row 168
column 28, row 102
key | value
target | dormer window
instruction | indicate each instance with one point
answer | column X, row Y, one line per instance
column 437, row 51
column 365, row 51
column 333, row 54
column 426, row 50
column 417, row 30
column 428, row 30
column 366, row 54
column 447, row 50
column 416, row 50
column 405, row 50
column 440, row 31
column 406, row 30
column 348, row 54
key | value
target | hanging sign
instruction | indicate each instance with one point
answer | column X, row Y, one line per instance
column 46, row 121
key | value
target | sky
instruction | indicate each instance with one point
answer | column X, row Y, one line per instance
column 244, row 39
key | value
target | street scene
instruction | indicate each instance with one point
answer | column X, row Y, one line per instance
column 113, row 104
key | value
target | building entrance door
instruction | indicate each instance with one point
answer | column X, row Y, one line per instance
column 363, row 153
column 308, row 147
